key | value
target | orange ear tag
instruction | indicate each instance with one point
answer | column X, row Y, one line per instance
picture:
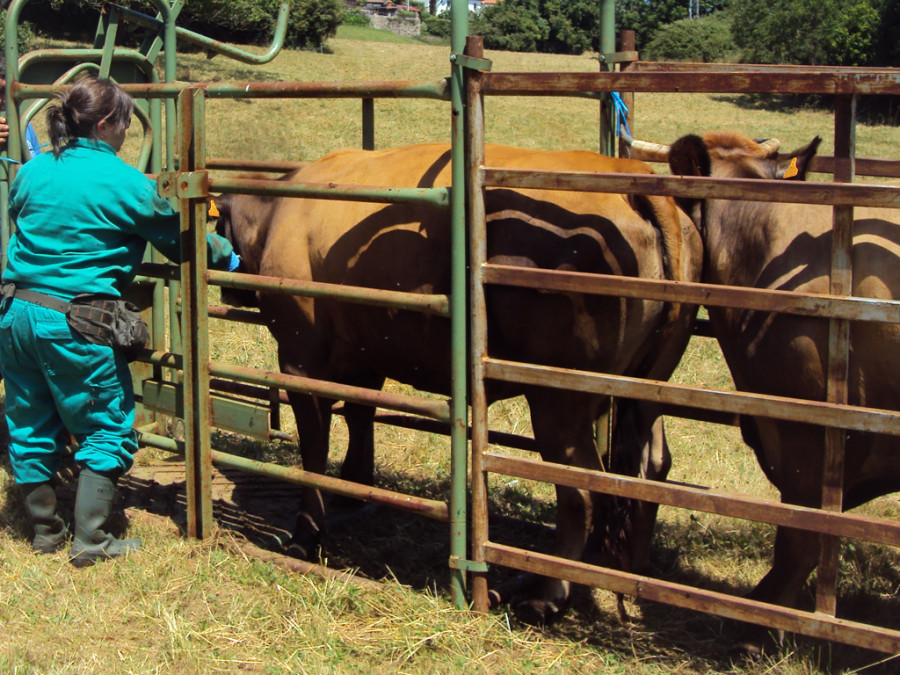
column 792, row 169
column 214, row 212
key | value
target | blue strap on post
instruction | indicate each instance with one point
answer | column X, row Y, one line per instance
column 621, row 112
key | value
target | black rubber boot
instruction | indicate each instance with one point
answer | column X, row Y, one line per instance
column 93, row 503
column 50, row 531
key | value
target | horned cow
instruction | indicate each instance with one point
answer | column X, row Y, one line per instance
column 788, row 247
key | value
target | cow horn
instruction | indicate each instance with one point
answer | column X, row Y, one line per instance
column 770, row 146
column 649, row 152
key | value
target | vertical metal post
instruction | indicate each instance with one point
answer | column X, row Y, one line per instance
column 459, row 27
column 368, row 124
column 475, row 158
column 109, row 42
column 626, row 44
column 838, row 348
column 607, row 46
column 195, row 319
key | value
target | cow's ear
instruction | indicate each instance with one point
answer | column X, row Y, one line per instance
column 215, row 205
column 688, row 156
column 794, row 165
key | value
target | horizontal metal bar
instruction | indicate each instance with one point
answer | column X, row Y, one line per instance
column 432, row 304
column 160, row 271
column 844, row 194
column 697, row 498
column 777, row 407
column 435, row 90
column 234, row 314
column 780, row 69
column 435, row 409
column 788, row 302
column 876, row 81
column 711, row 602
column 437, row 305
column 619, row 57
column 424, row 507
column 864, row 166
column 438, row 196
column 270, row 165
column 884, row 168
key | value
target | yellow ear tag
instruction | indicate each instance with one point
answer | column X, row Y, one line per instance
column 792, row 169
column 214, row 212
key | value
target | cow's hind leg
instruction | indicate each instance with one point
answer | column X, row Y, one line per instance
column 563, row 426
column 795, row 557
column 313, row 417
column 359, row 464
column 639, row 448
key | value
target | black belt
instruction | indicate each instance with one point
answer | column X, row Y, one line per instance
column 40, row 299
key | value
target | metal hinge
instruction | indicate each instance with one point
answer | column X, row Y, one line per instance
column 457, row 563
column 183, row 184
column 470, row 62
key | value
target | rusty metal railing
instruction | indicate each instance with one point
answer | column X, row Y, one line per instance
column 834, row 413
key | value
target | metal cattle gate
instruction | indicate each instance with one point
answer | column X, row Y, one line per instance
column 846, row 85
column 189, row 393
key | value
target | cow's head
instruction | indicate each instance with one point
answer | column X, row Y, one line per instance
column 220, row 210
column 731, row 155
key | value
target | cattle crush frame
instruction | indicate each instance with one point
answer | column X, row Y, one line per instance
column 190, row 182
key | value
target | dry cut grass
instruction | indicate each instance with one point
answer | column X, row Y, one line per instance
column 187, row 606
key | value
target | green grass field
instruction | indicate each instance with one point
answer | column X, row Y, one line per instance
column 200, row 607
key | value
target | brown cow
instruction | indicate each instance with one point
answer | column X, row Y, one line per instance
column 788, row 247
column 407, row 248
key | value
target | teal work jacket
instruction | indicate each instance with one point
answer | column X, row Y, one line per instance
column 83, row 221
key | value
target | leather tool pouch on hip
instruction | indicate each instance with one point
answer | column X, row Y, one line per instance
column 109, row 321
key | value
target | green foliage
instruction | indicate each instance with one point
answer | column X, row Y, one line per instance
column 550, row 26
column 512, row 25
column 646, row 18
column 888, row 46
column 310, row 22
column 438, row 26
column 25, row 38
column 706, row 39
column 813, row 32
column 354, row 17
column 853, row 41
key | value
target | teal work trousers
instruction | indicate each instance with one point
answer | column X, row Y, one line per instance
column 57, row 381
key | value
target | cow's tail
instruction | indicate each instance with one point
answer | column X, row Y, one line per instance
column 663, row 213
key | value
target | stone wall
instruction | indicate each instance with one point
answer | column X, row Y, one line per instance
column 407, row 26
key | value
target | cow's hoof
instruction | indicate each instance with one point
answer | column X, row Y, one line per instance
column 303, row 550
column 753, row 643
column 744, row 652
column 538, row 612
column 508, row 590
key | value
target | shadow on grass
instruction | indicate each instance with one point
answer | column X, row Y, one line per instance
column 870, row 109
column 381, row 543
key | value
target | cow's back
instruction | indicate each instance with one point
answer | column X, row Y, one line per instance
column 404, row 247
column 786, row 355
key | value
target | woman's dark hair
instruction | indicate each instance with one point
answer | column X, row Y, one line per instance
column 82, row 107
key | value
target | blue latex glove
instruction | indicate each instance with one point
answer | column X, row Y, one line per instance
column 234, row 262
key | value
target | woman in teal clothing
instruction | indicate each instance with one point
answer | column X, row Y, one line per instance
column 83, row 220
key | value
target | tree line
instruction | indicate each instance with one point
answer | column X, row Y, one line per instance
column 310, row 22
column 804, row 32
